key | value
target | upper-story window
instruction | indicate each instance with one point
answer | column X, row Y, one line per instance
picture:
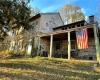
column 34, row 24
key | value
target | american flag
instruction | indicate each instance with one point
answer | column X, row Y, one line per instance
column 82, row 39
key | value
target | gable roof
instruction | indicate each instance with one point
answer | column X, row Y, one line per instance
column 35, row 17
column 39, row 15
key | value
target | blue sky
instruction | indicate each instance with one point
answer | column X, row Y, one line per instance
column 88, row 6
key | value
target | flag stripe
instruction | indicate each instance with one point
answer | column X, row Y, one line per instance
column 82, row 39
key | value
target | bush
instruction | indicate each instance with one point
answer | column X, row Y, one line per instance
column 6, row 52
column 2, row 53
column 9, row 52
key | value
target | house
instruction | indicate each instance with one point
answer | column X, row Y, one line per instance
column 21, row 41
column 62, row 43
column 54, row 39
column 44, row 23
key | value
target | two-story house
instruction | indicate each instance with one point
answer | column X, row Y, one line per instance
column 54, row 39
column 61, row 42
column 22, row 41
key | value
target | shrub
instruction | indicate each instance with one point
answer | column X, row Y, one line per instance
column 9, row 52
column 2, row 53
column 6, row 52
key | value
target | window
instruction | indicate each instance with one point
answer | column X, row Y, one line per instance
column 34, row 24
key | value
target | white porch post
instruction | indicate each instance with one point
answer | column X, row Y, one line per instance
column 97, row 44
column 38, row 52
column 69, row 46
column 51, row 45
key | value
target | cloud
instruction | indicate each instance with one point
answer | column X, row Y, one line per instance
column 83, row 10
column 86, row 19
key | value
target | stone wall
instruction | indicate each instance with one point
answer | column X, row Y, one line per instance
column 90, row 52
column 25, row 36
column 82, row 54
column 44, row 46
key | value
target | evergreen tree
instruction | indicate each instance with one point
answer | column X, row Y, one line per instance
column 13, row 15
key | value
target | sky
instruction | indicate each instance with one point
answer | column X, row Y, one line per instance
column 88, row 7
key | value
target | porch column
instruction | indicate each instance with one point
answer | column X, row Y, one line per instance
column 69, row 46
column 97, row 43
column 38, row 52
column 51, row 45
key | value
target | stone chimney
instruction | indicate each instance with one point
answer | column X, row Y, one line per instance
column 91, row 19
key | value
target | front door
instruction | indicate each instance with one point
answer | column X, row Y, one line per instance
column 57, row 52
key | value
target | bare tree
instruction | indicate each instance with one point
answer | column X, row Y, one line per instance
column 34, row 11
column 71, row 13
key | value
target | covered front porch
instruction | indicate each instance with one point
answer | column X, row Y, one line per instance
column 63, row 44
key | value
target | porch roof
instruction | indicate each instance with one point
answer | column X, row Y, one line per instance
column 71, row 24
column 67, row 30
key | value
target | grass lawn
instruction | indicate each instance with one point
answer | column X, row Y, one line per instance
column 40, row 68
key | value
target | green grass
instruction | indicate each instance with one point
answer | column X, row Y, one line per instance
column 41, row 68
